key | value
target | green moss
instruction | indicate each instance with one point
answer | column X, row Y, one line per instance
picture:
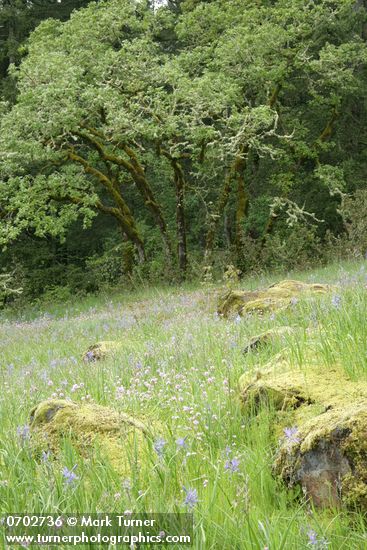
column 275, row 297
column 116, row 434
column 328, row 456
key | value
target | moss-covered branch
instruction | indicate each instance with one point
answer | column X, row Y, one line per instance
column 137, row 173
column 122, row 213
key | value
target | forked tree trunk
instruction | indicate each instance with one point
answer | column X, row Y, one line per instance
column 236, row 172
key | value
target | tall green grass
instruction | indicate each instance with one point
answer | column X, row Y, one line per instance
column 180, row 366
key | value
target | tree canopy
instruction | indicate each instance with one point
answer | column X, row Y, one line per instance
column 206, row 123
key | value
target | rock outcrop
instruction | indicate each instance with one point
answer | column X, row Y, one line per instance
column 275, row 297
column 88, row 426
column 322, row 428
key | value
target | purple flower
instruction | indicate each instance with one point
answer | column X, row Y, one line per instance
column 315, row 542
column 69, row 475
column 336, row 301
column 89, row 356
column 291, row 435
column 228, row 450
column 45, row 456
column 191, row 498
column 294, row 301
column 312, row 537
column 126, row 484
column 181, row 442
column 232, row 465
column 159, row 446
column 24, row 432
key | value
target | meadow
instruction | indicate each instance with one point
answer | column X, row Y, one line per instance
column 179, row 365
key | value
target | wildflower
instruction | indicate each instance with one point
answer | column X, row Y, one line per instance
column 159, row 446
column 69, row 475
column 120, row 390
column 232, row 465
column 312, row 537
column 23, row 432
column 336, row 301
column 181, row 442
column 237, row 319
column 291, row 435
column 191, row 498
column 294, row 301
column 315, row 542
column 45, row 456
column 89, row 356
column 126, row 484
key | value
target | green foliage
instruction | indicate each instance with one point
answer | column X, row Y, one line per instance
column 7, row 288
column 353, row 210
column 17, row 19
column 190, row 127
column 294, row 248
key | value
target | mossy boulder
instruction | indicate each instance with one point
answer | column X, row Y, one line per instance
column 326, row 414
column 328, row 457
column 267, row 337
column 122, row 439
column 101, row 350
column 272, row 298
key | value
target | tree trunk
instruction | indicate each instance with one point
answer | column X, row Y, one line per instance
column 180, row 221
column 121, row 212
column 146, row 191
column 137, row 173
column 129, row 229
column 179, row 182
column 236, row 172
column 242, row 207
column 214, row 222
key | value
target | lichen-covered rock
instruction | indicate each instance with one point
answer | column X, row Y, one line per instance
column 88, row 426
column 275, row 297
column 326, row 450
column 328, row 457
column 101, row 350
column 267, row 337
